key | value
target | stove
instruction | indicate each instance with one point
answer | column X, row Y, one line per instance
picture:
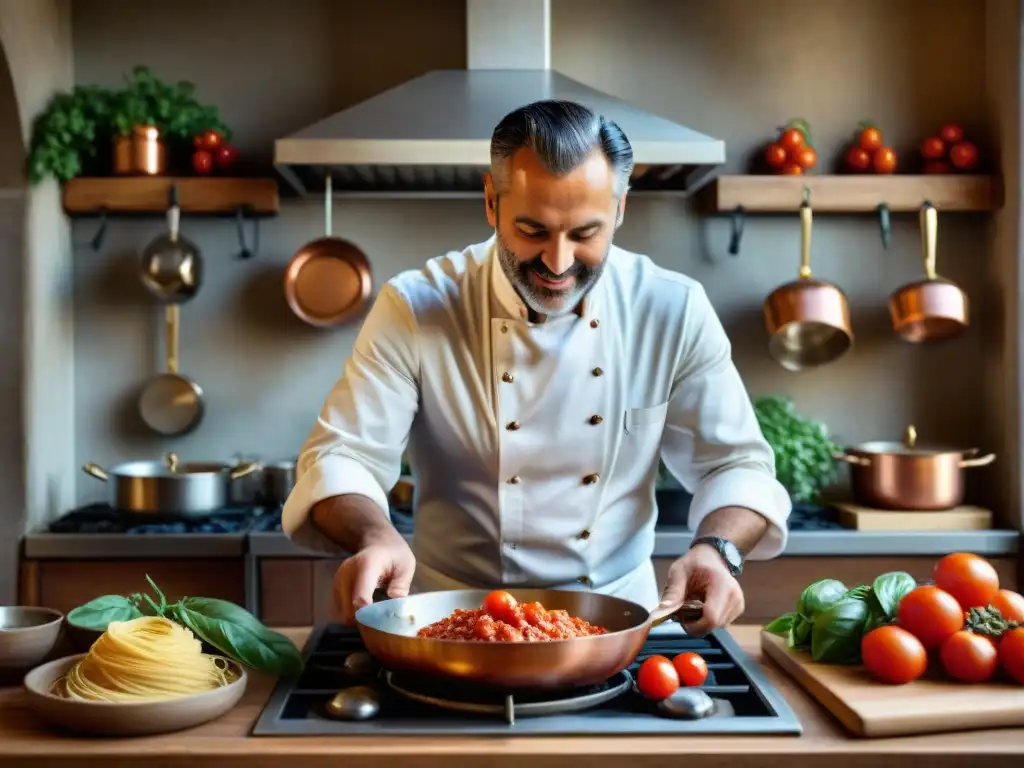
column 402, row 703
column 103, row 518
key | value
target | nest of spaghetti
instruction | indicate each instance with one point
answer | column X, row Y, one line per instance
column 146, row 659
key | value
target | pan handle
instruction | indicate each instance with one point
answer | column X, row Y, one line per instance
column 683, row 612
column 96, row 471
column 859, row 461
column 981, row 461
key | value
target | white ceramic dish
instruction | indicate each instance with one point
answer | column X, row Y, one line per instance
column 27, row 636
column 104, row 718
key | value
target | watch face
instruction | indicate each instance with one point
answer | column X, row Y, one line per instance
column 732, row 554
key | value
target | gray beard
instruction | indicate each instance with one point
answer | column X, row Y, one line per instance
column 545, row 301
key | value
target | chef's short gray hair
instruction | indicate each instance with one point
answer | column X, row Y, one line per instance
column 563, row 134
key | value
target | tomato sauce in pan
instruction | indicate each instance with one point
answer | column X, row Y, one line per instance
column 503, row 619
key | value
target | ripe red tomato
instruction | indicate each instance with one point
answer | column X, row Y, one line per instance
column 858, row 158
column 969, row 578
column 691, row 668
column 893, row 655
column 933, row 148
column 500, row 605
column 657, row 678
column 968, row 657
column 931, row 615
column 884, row 160
column 225, row 156
column 1010, row 604
column 805, row 157
column 792, row 139
column 1011, row 653
column 951, row 133
column 870, row 139
column 793, row 170
column 775, row 155
column 937, row 167
column 963, row 155
column 202, row 161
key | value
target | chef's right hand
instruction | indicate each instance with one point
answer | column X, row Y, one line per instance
column 387, row 564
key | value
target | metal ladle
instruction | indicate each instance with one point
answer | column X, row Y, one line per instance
column 171, row 267
column 360, row 702
column 171, row 404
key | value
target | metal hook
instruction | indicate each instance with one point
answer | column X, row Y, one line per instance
column 244, row 252
column 172, row 196
column 807, row 195
column 96, row 242
column 884, row 224
column 737, row 219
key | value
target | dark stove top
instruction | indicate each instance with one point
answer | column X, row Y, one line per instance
column 745, row 701
column 102, row 518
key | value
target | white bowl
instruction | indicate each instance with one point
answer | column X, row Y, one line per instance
column 27, row 635
column 107, row 718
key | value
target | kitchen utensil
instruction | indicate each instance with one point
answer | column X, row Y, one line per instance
column 171, row 267
column 388, row 629
column 105, row 718
column 27, row 635
column 874, row 709
column 688, row 704
column 890, row 475
column 934, row 308
column 170, row 487
column 962, row 518
column 278, row 481
column 808, row 320
column 359, row 702
column 329, row 281
column 171, row 404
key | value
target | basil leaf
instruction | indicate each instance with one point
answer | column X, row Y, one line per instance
column 862, row 592
column 890, row 588
column 819, row 596
column 98, row 613
column 782, row 625
column 799, row 633
column 837, row 632
column 241, row 636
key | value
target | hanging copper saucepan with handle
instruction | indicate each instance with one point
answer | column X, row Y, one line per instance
column 808, row 319
column 329, row 281
column 934, row 308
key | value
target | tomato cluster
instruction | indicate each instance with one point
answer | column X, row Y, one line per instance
column 211, row 151
column 964, row 618
column 949, row 151
column 659, row 677
column 791, row 153
column 868, row 153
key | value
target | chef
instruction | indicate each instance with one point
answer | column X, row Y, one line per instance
column 535, row 379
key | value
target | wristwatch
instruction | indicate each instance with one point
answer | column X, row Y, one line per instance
column 729, row 552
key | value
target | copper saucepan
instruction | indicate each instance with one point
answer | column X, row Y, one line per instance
column 934, row 308
column 329, row 281
column 388, row 628
column 909, row 476
column 808, row 320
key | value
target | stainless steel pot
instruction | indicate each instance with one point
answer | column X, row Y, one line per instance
column 909, row 476
column 170, row 487
column 278, row 481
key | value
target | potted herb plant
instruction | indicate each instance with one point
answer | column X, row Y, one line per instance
column 804, row 462
column 69, row 135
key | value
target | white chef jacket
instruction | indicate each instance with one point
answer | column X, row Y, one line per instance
column 535, row 446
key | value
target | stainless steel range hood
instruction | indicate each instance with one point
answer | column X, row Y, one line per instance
column 431, row 135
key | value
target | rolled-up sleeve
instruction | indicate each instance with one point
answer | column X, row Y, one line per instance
column 357, row 443
column 713, row 443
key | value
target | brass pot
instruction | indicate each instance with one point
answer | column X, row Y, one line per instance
column 141, row 153
column 908, row 476
column 808, row 320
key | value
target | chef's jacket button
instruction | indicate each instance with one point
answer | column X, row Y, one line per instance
column 585, row 581
column 595, row 419
column 584, row 534
column 512, row 426
column 597, row 372
column 504, row 328
column 514, row 479
column 591, row 479
column 507, row 377
column 594, row 323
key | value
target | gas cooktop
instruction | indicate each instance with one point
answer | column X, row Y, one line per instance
column 397, row 703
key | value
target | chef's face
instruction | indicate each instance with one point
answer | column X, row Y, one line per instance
column 553, row 232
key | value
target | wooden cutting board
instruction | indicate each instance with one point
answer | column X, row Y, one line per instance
column 963, row 518
column 873, row 709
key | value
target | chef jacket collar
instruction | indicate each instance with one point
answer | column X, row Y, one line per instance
column 510, row 305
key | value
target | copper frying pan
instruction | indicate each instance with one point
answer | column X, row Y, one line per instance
column 329, row 281
column 934, row 308
column 388, row 628
column 808, row 320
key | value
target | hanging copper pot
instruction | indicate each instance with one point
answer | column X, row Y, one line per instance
column 934, row 308
column 808, row 319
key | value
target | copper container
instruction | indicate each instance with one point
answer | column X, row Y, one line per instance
column 808, row 320
column 908, row 476
column 141, row 153
column 934, row 308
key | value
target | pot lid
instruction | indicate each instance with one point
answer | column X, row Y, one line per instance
column 909, row 447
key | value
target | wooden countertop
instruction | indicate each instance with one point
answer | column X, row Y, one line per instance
column 226, row 743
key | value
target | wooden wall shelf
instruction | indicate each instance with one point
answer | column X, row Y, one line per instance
column 134, row 195
column 853, row 194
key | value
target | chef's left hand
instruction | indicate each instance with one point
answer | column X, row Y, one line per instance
column 701, row 574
